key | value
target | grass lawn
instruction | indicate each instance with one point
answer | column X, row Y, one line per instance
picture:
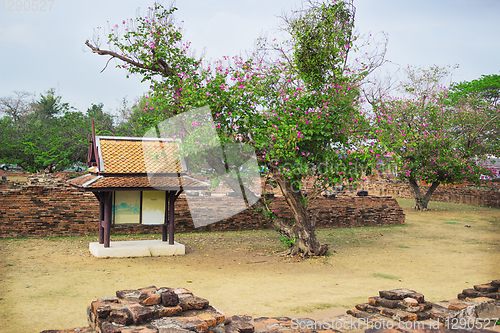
column 48, row 283
column 17, row 179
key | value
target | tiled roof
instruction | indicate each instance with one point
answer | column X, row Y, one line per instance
column 80, row 181
column 137, row 155
column 125, row 163
column 94, row 182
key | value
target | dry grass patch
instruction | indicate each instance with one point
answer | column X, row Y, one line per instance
column 48, row 283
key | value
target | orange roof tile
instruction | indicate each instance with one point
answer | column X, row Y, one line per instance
column 138, row 155
column 125, row 163
column 80, row 181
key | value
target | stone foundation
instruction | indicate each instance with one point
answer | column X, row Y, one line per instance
column 139, row 248
column 475, row 307
column 177, row 310
column 172, row 310
column 489, row 290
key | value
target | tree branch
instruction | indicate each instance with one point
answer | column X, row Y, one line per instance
column 276, row 222
column 163, row 68
column 107, row 64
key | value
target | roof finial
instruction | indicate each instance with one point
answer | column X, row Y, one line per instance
column 93, row 132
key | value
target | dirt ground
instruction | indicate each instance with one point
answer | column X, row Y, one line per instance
column 48, row 283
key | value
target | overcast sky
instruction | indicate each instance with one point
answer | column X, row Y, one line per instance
column 45, row 49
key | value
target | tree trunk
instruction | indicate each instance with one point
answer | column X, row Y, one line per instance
column 304, row 236
column 302, row 233
column 421, row 202
column 263, row 210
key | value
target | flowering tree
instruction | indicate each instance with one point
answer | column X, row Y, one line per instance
column 434, row 138
column 294, row 102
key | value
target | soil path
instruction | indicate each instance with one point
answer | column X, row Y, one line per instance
column 48, row 283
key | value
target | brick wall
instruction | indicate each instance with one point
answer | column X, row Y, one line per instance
column 41, row 211
column 461, row 194
column 38, row 211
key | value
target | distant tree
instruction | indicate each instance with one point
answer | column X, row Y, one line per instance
column 11, row 139
column 436, row 139
column 131, row 117
column 104, row 122
column 17, row 109
column 70, row 145
column 48, row 134
column 16, row 106
column 485, row 89
column 50, row 105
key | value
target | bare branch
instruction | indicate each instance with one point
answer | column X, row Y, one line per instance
column 107, row 64
column 16, row 106
column 158, row 66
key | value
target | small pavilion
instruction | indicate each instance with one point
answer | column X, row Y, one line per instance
column 137, row 181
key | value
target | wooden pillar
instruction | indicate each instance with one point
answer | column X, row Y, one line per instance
column 165, row 222
column 107, row 218
column 171, row 199
column 100, row 198
column 101, row 218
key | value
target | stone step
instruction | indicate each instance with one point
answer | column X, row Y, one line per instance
column 486, row 288
column 402, row 305
column 287, row 325
column 395, row 313
column 470, row 292
column 210, row 314
column 193, row 303
column 454, row 305
column 441, row 313
column 400, row 294
column 104, row 308
column 473, row 293
column 136, row 310
column 168, row 311
column 386, row 303
column 240, row 324
column 141, row 314
column 180, row 324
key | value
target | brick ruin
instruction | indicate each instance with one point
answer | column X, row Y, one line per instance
column 177, row 310
column 489, row 290
column 466, row 193
column 482, row 302
column 45, row 205
column 53, row 208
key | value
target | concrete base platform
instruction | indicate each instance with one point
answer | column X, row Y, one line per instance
column 144, row 248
